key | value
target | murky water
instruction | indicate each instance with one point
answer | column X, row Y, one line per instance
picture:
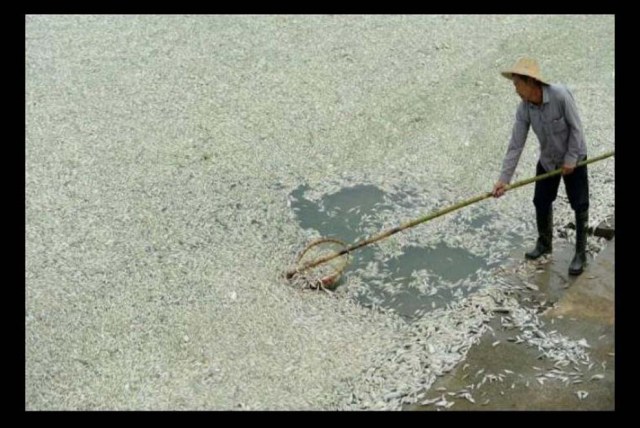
column 419, row 278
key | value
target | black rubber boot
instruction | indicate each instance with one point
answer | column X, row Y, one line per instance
column 580, row 259
column 545, row 235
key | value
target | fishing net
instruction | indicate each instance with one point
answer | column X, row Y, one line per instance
column 308, row 273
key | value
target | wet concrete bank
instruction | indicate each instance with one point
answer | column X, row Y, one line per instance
column 502, row 374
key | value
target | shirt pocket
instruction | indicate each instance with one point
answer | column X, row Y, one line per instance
column 558, row 126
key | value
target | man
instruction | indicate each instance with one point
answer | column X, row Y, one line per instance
column 552, row 113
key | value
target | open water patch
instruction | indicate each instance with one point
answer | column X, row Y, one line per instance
column 412, row 280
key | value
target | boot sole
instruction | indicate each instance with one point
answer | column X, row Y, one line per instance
column 529, row 257
column 575, row 272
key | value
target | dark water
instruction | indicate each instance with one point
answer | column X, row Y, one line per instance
column 344, row 214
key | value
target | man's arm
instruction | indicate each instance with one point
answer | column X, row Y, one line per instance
column 516, row 145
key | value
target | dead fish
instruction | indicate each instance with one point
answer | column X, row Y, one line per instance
column 430, row 401
column 469, row 398
column 392, row 395
column 582, row 394
column 444, row 403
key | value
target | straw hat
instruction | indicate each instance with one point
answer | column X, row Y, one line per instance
column 526, row 67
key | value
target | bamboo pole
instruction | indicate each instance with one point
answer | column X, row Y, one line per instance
column 386, row 233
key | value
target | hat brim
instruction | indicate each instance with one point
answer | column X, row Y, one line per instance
column 509, row 75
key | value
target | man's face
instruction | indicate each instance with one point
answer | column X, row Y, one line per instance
column 523, row 89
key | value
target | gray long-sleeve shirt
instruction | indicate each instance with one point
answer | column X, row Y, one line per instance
column 557, row 126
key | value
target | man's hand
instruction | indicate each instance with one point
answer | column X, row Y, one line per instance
column 499, row 189
column 567, row 169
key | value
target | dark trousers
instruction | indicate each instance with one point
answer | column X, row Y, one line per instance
column 576, row 185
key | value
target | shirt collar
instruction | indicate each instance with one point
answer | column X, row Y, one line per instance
column 545, row 94
column 545, row 98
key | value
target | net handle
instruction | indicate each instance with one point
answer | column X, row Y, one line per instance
column 386, row 233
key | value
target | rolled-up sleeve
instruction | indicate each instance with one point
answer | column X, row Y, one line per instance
column 576, row 136
column 516, row 144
